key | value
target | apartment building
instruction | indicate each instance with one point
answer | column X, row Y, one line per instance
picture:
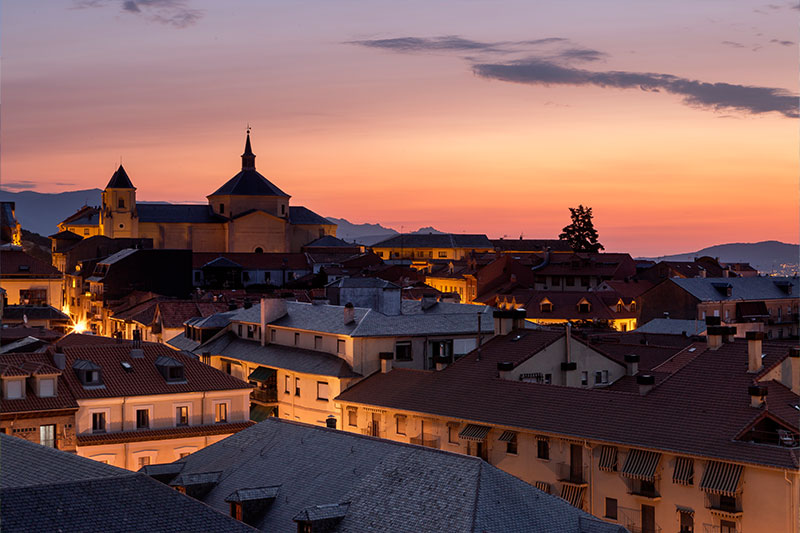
column 27, row 280
column 421, row 247
column 705, row 440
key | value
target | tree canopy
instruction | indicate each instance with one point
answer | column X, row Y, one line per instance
column 581, row 235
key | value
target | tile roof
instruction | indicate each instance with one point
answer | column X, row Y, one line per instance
column 706, row 397
column 300, row 215
column 173, row 313
column 278, row 356
column 20, row 332
column 264, row 261
column 145, row 378
column 18, row 264
column 85, row 216
column 249, row 182
column 531, row 245
column 752, row 288
column 33, row 312
column 329, row 241
column 44, row 489
column 96, row 439
column 82, row 339
column 565, row 304
column 383, row 484
column 436, row 240
column 166, row 213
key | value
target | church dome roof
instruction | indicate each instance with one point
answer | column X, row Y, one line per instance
column 248, row 182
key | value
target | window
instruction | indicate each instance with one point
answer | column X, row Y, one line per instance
column 297, row 386
column 352, row 417
column 246, row 274
column 611, row 508
column 287, row 384
column 620, row 308
column 726, row 526
column 687, row 521
column 121, row 203
column 543, row 448
column 47, row 435
column 584, row 307
column 221, row 413
column 633, row 307
column 452, row 434
column 569, row 281
column 142, row 419
column 240, row 330
column 601, row 377
column 402, row 351
column 86, row 231
column 401, row 424
column 322, row 390
column 584, row 378
column 317, row 342
column 272, row 335
column 47, row 388
column 296, row 339
column 250, row 330
column 584, row 281
column 340, row 346
column 511, row 445
column 379, row 253
column 144, row 461
column 222, row 208
column 14, row 389
column 546, row 307
column 442, row 255
column 283, row 211
column 182, row 415
column 98, row 422
column 548, row 379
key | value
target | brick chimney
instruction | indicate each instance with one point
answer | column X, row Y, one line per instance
column 754, row 350
column 714, row 336
column 507, row 320
column 386, row 361
column 758, row 395
column 504, row 369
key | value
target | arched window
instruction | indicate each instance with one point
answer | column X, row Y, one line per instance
column 259, row 250
column 121, row 203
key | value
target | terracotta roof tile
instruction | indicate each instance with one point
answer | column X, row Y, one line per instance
column 18, row 264
column 25, row 364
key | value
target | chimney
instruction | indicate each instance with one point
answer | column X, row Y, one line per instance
column 567, row 342
column 703, row 272
column 645, row 382
column 507, row 320
column 60, row 360
column 349, row 313
column 758, row 395
column 271, row 309
column 754, row 350
column 730, row 335
column 714, row 336
column 247, row 303
column 441, row 362
column 330, row 422
column 137, row 338
column 386, row 361
column 632, row 364
column 794, row 361
column 504, row 369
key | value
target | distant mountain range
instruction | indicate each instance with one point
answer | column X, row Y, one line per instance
column 772, row 257
column 41, row 212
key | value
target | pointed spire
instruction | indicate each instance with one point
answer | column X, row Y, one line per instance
column 120, row 180
column 248, row 157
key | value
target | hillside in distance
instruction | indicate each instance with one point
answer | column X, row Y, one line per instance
column 41, row 212
column 768, row 257
column 368, row 234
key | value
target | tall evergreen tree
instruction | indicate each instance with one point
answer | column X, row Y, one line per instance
column 581, row 235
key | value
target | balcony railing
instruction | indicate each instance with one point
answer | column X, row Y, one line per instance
column 426, row 440
column 567, row 474
column 724, row 505
column 264, row 396
column 638, row 528
column 710, row 528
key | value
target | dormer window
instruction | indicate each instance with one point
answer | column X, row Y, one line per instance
column 170, row 369
column 47, row 387
column 620, row 307
column 584, row 306
column 88, row 373
column 15, row 389
column 633, row 306
column 546, row 306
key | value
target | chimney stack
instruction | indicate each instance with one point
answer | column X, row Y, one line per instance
column 386, row 361
column 271, row 309
column 330, row 422
column 504, row 369
column 60, row 360
column 632, row 364
column 754, row 350
column 758, row 395
column 645, row 382
column 442, row 361
column 730, row 335
column 349, row 313
column 505, row 321
column 714, row 336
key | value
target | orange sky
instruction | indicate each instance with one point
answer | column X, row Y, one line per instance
column 415, row 137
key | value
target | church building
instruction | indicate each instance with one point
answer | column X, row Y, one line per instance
column 247, row 214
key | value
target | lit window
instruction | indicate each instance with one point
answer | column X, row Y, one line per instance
column 47, row 435
column 182, row 415
column 221, row 413
column 98, row 422
column 401, row 425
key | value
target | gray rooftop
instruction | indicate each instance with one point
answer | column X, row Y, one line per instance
column 673, row 327
column 436, row 240
column 303, row 215
column 44, row 489
column 196, row 214
column 277, row 356
column 377, row 484
column 747, row 288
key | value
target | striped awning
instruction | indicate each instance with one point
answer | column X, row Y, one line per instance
column 474, row 432
column 684, row 510
column 573, row 494
column 641, row 464
column 721, row 478
column 543, row 486
column 684, row 471
column 508, row 436
column 608, row 458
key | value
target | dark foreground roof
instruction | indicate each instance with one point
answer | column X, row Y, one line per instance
column 376, row 485
column 44, row 489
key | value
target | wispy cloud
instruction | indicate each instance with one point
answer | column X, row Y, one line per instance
column 782, row 43
column 174, row 13
column 19, row 185
column 733, row 44
column 716, row 96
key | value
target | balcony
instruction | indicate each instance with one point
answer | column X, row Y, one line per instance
column 426, row 440
column 574, row 476
column 710, row 528
column 632, row 520
column 724, row 506
column 264, row 396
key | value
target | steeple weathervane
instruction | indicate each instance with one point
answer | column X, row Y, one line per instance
column 248, row 157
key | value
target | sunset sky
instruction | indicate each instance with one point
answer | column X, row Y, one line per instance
column 676, row 121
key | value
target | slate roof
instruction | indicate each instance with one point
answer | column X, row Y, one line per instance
column 249, row 182
column 329, row 241
column 278, row 356
column 145, row 378
column 85, row 216
column 384, row 485
column 747, row 288
column 362, row 283
column 254, row 261
column 674, row 326
column 436, row 240
column 18, row 264
column 33, row 312
column 120, row 180
column 66, row 235
column 300, row 215
column 706, row 397
column 165, row 213
column 44, row 489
